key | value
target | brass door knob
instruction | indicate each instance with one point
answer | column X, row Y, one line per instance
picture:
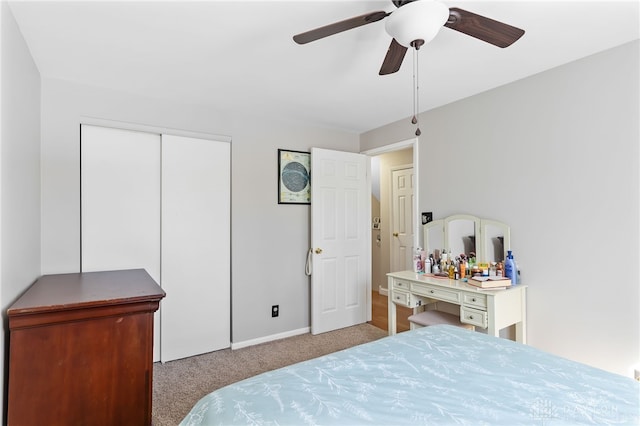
column 395, row 234
column 318, row 250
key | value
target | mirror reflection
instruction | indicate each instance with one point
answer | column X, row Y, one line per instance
column 461, row 237
column 461, row 232
column 467, row 234
column 434, row 236
column 497, row 241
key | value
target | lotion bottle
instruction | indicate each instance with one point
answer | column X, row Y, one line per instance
column 510, row 268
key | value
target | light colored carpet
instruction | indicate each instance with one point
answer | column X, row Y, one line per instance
column 178, row 385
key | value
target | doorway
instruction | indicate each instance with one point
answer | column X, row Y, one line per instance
column 383, row 161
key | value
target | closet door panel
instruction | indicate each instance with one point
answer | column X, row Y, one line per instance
column 120, row 203
column 195, row 315
column 120, row 200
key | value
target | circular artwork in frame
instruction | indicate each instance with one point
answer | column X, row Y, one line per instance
column 294, row 177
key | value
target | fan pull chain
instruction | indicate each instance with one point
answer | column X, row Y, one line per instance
column 416, row 86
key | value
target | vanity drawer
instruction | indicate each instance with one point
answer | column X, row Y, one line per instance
column 401, row 285
column 473, row 316
column 436, row 293
column 400, row 298
column 477, row 300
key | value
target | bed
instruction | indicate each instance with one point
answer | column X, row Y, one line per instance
column 433, row 375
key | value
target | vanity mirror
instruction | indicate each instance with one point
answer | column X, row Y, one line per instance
column 496, row 239
column 462, row 233
column 433, row 236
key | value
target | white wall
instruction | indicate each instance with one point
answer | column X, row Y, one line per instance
column 19, row 172
column 556, row 156
column 269, row 241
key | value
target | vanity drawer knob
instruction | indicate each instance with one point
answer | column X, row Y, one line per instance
column 431, row 291
column 471, row 317
column 473, row 299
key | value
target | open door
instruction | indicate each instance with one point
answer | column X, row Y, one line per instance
column 340, row 240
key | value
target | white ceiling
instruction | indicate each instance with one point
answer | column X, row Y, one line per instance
column 239, row 56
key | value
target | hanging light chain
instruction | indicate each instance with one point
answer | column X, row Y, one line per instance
column 416, row 86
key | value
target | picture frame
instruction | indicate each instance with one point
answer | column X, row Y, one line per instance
column 294, row 177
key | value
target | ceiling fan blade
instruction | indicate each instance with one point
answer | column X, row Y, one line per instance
column 482, row 28
column 339, row 27
column 393, row 60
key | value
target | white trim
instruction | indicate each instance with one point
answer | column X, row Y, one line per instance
column 125, row 125
column 368, row 298
column 257, row 341
column 416, row 194
column 409, row 143
column 392, row 147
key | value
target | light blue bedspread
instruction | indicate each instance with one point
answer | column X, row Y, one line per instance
column 433, row 375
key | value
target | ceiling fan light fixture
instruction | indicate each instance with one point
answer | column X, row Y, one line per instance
column 418, row 20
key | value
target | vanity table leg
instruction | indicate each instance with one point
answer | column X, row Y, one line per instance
column 492, row 330
column 521, row 326
column 520, row 333
column 391, row 309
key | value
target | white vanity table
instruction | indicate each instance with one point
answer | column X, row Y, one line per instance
column 489, row 309
column 492, row 310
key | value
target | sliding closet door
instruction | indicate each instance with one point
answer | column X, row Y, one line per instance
column 120, row 202
column 196, row 261
column 120, row 192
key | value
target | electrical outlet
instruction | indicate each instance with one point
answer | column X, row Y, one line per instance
column 275, row 311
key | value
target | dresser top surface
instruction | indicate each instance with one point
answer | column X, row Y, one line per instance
column 88, row 289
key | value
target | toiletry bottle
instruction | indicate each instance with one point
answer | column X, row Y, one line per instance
column 493, row 269
column 417, row 262
column 510, row 268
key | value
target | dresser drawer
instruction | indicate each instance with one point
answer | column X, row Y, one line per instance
column 436, row 293
column 401, row 285
column 475, row 300
column 473, row 316
column 401, row 298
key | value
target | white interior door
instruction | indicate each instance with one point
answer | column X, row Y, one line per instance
column 120, row 203
column 402, row 218
column 196, row 243
column 340, row 240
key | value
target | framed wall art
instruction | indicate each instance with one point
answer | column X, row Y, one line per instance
column 294, row 177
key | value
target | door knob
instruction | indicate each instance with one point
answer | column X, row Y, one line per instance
column 318, row 250
column 395, row 234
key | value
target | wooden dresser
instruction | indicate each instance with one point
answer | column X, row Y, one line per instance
column 81, row 350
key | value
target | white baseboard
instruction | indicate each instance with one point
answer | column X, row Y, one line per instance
column 246, row 343
column 383, row 291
